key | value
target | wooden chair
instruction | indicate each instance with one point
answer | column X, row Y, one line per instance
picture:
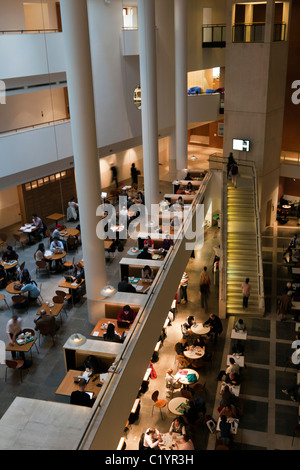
column 2, row 297
column 48, row 235
column 183, row 362
column 72, row 243
column 186, row 394
column 69, row 264
column 58, row 299
column 21, row 239
column 65, row 296
column 14, row 364
column 158, row 403
column 42, row 266
column 19, row 300
column 199, row 388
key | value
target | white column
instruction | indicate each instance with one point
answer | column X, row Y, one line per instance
column 147, row 41
column 81, row 98
column 180, row 20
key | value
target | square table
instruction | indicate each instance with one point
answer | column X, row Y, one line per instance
column 238, row 334
column 68, row 386
column 52, row 311
column 56, row 217
column 23, row 348
column 234, row 424
column 98, row 331
column 141, row 286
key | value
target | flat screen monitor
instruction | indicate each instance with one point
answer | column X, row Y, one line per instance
column 241, row 145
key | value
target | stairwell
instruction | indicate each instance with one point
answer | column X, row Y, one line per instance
column 242, row 247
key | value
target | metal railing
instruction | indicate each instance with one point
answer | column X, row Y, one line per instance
column 30, row 31
column 108, row 388
column 221, row 163
column 33, row 126
column 214, row 35
column 252, row 32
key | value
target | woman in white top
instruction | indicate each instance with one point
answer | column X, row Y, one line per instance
column 72, row 211
column 13, row 329
column 152, row 438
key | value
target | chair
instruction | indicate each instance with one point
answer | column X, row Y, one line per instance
column 58, row 299
column 40, row 296
column 2, row 297
column 183, row 362
column 186, row 394
column 199, row 388
column 158, row 403
column 141, row 442
column 22, row 266
column 65, row 296
column 20, row 301
column 14, row 364
column 32, row 332
column 42, row 266
column 71, row 243
column 21, row 239
column 48, row 235
column 69, row 264
column 47, row 329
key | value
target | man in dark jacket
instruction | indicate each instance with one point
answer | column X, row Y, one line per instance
column 81, row 397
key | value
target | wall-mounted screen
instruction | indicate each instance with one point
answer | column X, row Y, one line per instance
column 241, row 145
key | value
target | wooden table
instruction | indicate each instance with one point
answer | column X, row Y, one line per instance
column 182, row 374
column 99, row 332
column 9, row 265
column 11, row 289
column 200, row 329
column 29, row 229
column 195, row 353
column 142, row 285
column 55, row 310
column 69, row 232
column 238, row 334
column 71, row 285
column 56, row 256
column 56, row 217
column 23, row 348
column 68, row 386
column 240, row 360
column 174, row 405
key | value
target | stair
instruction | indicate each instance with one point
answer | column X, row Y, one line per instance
column 242, row 256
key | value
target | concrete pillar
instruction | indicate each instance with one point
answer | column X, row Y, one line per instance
column 147, row 41
column 180, row 20
column 84, row 138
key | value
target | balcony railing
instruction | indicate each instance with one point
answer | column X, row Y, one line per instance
column 214, row 35
column 279, row 32
column 253, row 32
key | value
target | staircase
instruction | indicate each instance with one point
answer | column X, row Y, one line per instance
column 242, row 247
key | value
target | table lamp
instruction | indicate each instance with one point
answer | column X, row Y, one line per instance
column 108, row 290
column 77, row 338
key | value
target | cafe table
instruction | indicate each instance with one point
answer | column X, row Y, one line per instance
column 235, row 389
column 50, row 256
column 51, row 309
column 182, row 376
column 234, row 424
column 178, row 405
column 133, row 251
column 240, row 360
column 69, row 232
column 238, row 334
column 56, row 217
column 200, row 329
column 168, row 440
column 10, row 288
column 23, row 348
column 9, row 265
column 141, row 286
column 101, row 327
column 194, row 353
column 67, row 386
column 28, row 229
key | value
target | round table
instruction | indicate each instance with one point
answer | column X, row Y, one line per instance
column 7, row 266
column 175, row 403
column 11, row 289
column 132, row 253
column 195, row 353
column 200, row 329
column 183, row 377
column 56, row 256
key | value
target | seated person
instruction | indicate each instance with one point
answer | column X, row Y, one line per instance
column 91, row 365
column 180, row 348
column 46, row 323
column 240, row 325
column 56, row 245
column 214, row 323
column 175, row 222
column 111, row 334
column 228, row 398
column 149, row 242
column 144, row 254
column 232, row 378
column 140, row 199
column 3, row 277
column 41, row 229
column 56, row 234
column 115, row 245
column 152, row 438
column 127, row 314
column 185, row 444
column 24, row 276
column 80, row 397
column 32, row 289
column 167, row 243
column 129, row 202
column 232, row 367
column 171, row 382
column 125, row 286
column 40, row 252
column 147, row 273
column 177, row 426
column 9, row 254
column 189, row 187
column 188, row 177
column 225, row 431
column 229, row 411
column 78, row 273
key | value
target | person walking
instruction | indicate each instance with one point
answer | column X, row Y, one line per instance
column 134, row 175
column 246, row 288
column 234, row 173
column 230, row 162
column 183, row 288
column 114, row 174
column 204, row 288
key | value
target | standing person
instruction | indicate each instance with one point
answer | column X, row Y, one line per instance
column 134, row 175
column 285, row 304
column 114, row 174
column 230, row 162
column 183, row 288
column 234, row 173
column 246, row 289
column 41, row 228
column 13, row 329
column 204, row 288
column 73, row 208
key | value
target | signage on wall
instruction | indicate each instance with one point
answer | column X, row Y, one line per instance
column 241, row 144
